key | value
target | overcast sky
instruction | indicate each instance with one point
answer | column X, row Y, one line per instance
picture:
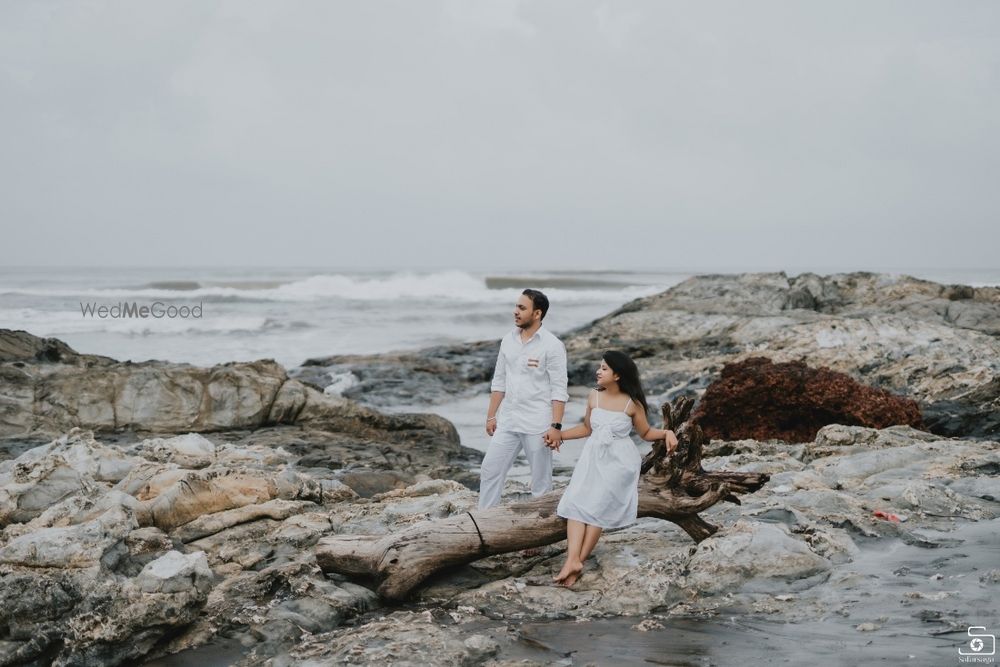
column 501, row 135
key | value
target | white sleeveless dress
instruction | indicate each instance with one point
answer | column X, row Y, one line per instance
column 604, row 489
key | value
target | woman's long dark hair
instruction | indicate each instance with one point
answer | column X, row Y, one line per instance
column 628, row 376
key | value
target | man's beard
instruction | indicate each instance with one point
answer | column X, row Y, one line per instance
column 525, row 325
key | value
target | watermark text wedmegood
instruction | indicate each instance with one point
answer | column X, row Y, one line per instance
column 128, row 309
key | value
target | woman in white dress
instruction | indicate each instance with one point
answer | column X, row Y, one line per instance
column 604, row 490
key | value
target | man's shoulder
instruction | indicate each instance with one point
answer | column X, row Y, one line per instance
column 550, row 337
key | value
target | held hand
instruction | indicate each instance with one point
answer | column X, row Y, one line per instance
column 671, row 442
column 553, row 438
column 491, row 426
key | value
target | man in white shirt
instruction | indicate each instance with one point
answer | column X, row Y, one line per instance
column 530, row 382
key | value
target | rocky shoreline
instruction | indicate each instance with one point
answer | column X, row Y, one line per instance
column 154, row 509
column 938, row 345
column 46, row 389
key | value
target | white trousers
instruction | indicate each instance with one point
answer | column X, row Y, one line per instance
column 504, row 448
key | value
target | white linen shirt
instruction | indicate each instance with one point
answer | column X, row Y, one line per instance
column 531, row 375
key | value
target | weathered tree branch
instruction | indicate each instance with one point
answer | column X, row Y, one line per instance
column 674, row 488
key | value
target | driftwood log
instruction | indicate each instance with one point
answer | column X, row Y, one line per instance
column 674, row 488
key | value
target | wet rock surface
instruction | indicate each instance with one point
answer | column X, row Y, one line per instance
column 429, row 375
column 138, row 555
column 807, row 549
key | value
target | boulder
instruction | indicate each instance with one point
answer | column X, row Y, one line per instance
column 42, row 477
column 95, row 543
column 174, row 572
column 401, row 638
column 191, row 450
column 47, row 389
column 429, row 375
column 763, row 557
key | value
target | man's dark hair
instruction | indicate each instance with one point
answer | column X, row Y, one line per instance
column 538, row 300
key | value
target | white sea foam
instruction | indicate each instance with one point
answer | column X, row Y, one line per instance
column 454, row 286
column 294, row 314
column 340, row 382
column 55, row 322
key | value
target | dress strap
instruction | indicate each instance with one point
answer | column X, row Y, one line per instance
column 597, row 398
column 626, row 406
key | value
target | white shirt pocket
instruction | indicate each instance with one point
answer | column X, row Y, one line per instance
column 534, row 363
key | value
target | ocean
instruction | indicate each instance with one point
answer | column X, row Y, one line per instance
column 292, row 314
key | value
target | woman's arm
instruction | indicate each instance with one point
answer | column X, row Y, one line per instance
column 647, row 432
column 581, row 430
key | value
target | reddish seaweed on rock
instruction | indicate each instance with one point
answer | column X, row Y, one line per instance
column 759, row 399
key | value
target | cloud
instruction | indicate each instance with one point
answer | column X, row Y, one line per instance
column 500, row 134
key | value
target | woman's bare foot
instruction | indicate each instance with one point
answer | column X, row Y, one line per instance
column 573, row 574
column 568, row 569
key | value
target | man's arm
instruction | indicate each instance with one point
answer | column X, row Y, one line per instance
column 558, row 408
column 496, row 397
column 498, row 389
column 558, row 381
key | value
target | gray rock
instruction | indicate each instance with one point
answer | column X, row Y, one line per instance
column 402, row 638
column 87, row 616
column 174, row 572
column 146, row 541
column 991, row 577
column 209, row 524
column 985, row 488
column 68, row 390
column 758, row 556
column 191, row 450
column 95, row 543
column 21, row 346
column 42, row 477
column 427, row 376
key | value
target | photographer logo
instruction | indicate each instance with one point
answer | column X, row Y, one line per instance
column 980, row 648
